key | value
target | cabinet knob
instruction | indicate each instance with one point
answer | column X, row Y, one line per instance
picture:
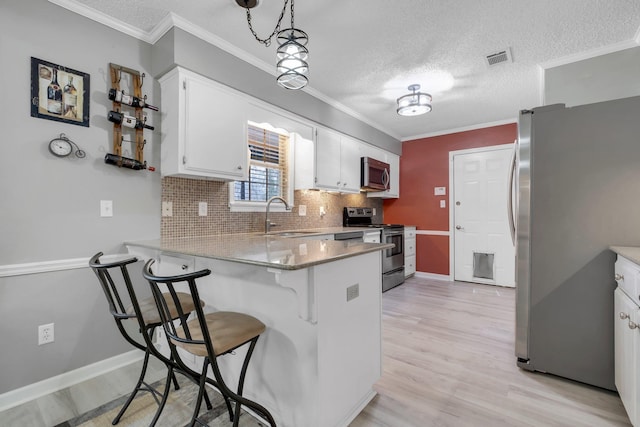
column 338, row 183
column 633, row 325
column 619, row 276
column 185, row 266
column 240, row 168
column 623, row 315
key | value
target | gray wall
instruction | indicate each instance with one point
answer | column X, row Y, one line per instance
column 602, row 78
column 50, row 206
column 178, row 47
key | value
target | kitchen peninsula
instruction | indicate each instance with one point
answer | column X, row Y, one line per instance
column 321, row 301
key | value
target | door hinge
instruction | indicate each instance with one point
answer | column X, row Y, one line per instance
column 184, row 84
column 184, row 160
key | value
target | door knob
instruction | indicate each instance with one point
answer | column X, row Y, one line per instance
column 459, row 227
column 619, row 276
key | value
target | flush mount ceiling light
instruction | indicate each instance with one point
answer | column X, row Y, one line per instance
column 415, row 103
column 292, row 53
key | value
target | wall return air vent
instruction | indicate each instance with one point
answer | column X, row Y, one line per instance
column 497, row 58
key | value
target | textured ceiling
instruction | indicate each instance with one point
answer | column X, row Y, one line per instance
column 364, row 54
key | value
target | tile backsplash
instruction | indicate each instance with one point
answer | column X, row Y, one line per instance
column 185, row 195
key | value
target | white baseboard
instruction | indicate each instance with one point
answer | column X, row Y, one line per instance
column 33, row 391
column 433, row 276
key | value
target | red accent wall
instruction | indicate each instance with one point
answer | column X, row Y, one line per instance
column 424, row 164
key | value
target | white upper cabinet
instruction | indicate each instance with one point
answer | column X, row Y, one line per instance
column 328, row 159
column 331, row 162
column 204, row 128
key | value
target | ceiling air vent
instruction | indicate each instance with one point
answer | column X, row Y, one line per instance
column 499, row 58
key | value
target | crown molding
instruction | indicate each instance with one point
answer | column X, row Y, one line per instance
column 603, row 50
column 172, row 20
column 461, row 129
column 102, row 18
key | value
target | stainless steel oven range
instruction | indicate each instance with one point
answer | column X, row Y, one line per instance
column 392, row 259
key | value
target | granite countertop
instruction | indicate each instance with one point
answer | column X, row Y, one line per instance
column 632, row 253
column 286, row 253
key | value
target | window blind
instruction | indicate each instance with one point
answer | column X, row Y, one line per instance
column 267, row 167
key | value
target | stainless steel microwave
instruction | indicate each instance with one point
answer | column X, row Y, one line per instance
column 374, row 175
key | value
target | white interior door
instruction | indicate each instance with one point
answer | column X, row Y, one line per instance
column 483, row 249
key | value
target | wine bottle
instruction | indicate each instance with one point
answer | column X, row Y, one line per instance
column 124, row 162
column 127, row 120
column 70, row 99
column 134, row 101
column 54, row 95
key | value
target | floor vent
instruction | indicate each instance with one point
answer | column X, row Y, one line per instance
column 498, row 58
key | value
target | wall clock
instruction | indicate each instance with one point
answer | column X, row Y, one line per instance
column 63, row 146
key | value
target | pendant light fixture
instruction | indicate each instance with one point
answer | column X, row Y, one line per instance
column 292, row 54
column 415, row 103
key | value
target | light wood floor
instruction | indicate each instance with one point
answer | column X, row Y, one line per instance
column 449, row 361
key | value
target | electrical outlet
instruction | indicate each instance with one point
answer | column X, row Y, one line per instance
column 106, row 208
column 167, row 208
column 45, row 334
column 322, row 211
column 202, row 208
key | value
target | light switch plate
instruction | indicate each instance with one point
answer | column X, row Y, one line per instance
column 353, row 292
column 202, row 208
column 322, row 211
column 302, row 210
column 106, row 208
column 374, row 211
column 443, row 203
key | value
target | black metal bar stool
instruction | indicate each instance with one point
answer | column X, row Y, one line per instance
column 209, row 336
column 123, row 304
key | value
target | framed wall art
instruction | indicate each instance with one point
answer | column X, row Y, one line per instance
column 59, row 93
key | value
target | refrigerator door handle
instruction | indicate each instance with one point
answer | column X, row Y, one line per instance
column 510, row 207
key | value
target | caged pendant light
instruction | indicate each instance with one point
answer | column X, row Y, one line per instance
column 292, row 54
column 415, row 103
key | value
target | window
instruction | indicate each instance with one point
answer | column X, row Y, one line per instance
column 269, row 173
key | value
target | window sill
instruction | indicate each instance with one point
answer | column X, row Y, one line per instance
column 257, row 207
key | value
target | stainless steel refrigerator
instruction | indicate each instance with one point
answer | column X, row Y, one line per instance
column 577, row 191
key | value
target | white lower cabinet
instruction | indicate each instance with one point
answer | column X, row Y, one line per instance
column 409, row 251
column 627, row 340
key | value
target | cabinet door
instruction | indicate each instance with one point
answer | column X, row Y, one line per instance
column 215, row 142
column 626, row 350
column 350, row 165
column 328, row 159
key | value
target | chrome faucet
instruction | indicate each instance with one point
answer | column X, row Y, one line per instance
column 267, row 223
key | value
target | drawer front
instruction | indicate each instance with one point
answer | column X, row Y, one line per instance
column 409, row 265
column 172, row 265
column 409, row 233
column 627, row 275
column 409, row 246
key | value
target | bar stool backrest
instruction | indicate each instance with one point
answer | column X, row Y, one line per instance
column 115, row 282
column 173, row 329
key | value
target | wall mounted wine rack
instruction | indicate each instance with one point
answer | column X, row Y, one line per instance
column 137, row 80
